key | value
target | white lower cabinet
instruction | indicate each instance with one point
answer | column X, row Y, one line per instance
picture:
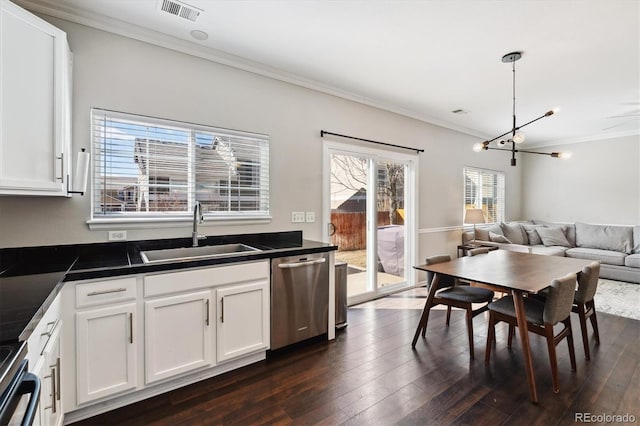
column 242, row 320
column 51, row 411
column 139, row 336
column 44, row 356
column 106, row 351
column 177, row 335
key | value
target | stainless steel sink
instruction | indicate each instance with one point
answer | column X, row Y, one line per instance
column 191, row 253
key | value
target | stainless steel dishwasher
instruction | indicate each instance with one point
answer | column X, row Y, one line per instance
column 299, row 298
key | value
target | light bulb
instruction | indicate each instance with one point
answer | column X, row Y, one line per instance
column 477, row 147
column 561, row 154
column 519, row 137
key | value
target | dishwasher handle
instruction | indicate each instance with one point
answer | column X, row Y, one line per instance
column 301, row 264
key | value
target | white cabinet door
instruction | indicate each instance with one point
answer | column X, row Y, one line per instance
column 34, row 134
column 50, row 398
column 177, row 335
column 243, row 319
column 106, row 351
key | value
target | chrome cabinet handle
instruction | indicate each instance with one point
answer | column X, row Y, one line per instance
column 48, row 334
column 61, row 158
column 222, row 310
column 58, row 380
column 98, row 293
column 52, row 376
column 53, row 389
column 206, row 304
column 131, row 327
column 301, row 264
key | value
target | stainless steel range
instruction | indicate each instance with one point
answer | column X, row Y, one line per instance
column 299, row 298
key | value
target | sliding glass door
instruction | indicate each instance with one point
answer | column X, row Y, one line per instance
column 369, row 203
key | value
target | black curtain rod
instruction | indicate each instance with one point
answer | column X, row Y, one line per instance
column 323, row 132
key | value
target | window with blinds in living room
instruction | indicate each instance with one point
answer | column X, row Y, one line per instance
column 484, row 189
column 154, row 169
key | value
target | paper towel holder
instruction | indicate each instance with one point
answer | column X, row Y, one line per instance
column 69, row 190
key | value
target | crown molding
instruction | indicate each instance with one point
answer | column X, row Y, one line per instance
column 107, row 24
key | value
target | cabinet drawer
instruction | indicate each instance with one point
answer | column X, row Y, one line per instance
column 195, row 279
column 43, row 331
column 101, row 292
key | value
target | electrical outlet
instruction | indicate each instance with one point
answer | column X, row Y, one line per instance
column 297, row 217
column 311, row 217
column 117, row 235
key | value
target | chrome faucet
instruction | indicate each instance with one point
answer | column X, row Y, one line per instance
column 197, row 218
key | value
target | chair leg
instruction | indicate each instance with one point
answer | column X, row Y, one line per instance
column 491, row 336
column 512, row 330
column 470, row 329
column 448, row 315
column 594, row 321
column 572, row 352
column 583, row 328
column 553, row 360
column 424, row 318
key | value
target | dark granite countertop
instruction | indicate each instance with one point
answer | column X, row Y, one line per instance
column 31, row 277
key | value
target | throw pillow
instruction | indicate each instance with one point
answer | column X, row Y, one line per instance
column 552, row 237
column 514, row 233
column 483, row 233
column 534, row 238
column 497, row 238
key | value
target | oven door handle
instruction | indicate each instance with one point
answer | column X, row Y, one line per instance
column 301, row 264
column 30, row 384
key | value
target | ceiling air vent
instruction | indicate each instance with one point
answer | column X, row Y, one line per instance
column 180, row 9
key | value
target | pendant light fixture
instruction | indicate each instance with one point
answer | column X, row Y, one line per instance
column 515, row 136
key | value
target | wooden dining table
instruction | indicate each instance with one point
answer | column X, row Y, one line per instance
column 518, row 273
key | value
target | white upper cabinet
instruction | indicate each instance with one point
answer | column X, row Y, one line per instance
column 35, row 66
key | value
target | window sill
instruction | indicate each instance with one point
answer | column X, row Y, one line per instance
column 170, row 222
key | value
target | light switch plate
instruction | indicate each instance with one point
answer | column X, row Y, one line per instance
column 311, row 217
column 117, row 235
column 297, row 217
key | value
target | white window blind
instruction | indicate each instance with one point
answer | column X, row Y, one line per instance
column 148, row 167
column 484, row 189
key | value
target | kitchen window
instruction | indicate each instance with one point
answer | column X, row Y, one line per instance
column 484, row 189
column 151, row 169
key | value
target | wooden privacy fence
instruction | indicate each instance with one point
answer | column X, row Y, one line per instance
column 351, row 229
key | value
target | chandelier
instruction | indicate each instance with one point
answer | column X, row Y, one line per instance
column 514, row 136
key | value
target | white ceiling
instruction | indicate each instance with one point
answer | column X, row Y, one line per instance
column 420, row 58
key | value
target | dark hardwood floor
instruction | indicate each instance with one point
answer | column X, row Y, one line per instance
column 370, row 376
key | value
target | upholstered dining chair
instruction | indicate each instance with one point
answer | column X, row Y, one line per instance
column 541, row 317
column 452, row 294
column 584, row 305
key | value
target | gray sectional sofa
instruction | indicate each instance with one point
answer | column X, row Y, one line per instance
column 616, row 247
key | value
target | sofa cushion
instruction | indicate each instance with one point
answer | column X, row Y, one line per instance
column 636, row 239
column 514, row 232
column 553, row 236
column 633, row 261
column 532, row 234
column 497, row 238
column 569, row 229
column 483, row 233
column 605, row 237
column 548, row 251
column 604, row 256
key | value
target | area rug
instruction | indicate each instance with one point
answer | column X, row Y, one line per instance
column 618, row 298
column 612, row 297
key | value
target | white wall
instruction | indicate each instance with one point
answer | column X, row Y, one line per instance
column 599, row 184
column 122, row 74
